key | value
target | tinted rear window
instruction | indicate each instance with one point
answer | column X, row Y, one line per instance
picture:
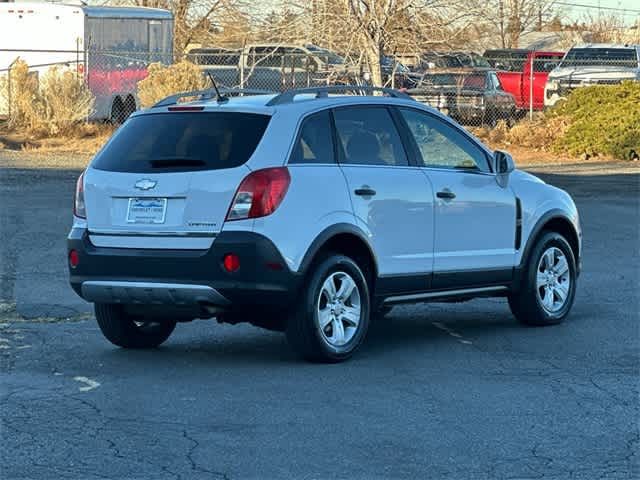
column 184, row 141
column 619, row 57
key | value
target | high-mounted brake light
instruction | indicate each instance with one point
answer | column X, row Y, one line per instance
column 79, row 209
column 260, row 193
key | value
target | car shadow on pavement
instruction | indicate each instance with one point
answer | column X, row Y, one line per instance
column 206, row 344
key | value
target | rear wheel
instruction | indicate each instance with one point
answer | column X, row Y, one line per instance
column 118, row 113
column 127, row 331
column 331, row 318
column 129, row 106
column 548, row 284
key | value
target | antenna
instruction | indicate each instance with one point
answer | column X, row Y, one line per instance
column 219, row 97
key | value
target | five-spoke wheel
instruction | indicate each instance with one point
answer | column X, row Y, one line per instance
column 548, row 282
column 332, row 316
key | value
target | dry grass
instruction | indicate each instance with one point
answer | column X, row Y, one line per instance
column 538, row 134
column 52, row 105
column 83, row 139
column 164, row 80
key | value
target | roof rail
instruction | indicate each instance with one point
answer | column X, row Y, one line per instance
column 322, row 92
column 209, row 94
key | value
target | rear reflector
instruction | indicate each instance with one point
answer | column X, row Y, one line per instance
column 231, row 262
column 74, row 258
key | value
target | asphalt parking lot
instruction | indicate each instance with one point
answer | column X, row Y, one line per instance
column 443, row 391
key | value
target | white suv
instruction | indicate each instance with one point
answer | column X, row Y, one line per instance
column 310, row 213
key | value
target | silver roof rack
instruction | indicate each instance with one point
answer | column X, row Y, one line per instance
column 209, row 94
column 322, row 92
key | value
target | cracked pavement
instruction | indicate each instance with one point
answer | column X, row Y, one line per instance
column 443, row 391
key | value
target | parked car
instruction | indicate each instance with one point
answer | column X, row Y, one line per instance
column 593, row 64
column 468, row 96
column 310, row 217
column 447, row 60
column 391, row 67
column 274, row 66
column 526, row 84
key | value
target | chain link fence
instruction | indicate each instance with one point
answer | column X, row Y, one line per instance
column 502, row 86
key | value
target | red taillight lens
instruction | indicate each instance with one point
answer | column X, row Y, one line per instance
column 74, row 258
column 79, row 209
column 231, row 262
column 260, row 193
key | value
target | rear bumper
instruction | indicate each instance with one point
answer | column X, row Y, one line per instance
column 184, row 277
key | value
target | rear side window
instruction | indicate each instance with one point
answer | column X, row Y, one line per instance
column 315, row 143
column 184, row 141
column 368, row 136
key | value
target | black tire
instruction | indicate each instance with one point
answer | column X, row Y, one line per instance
column 303, row 330
column 122, row 330
column 129, row 107
column 489, row 119
column 526, row 304
column 118, row 114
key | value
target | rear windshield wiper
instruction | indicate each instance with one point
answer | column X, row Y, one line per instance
column 177, row 162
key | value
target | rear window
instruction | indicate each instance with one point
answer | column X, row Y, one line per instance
column 185, row 141
column 618, row 57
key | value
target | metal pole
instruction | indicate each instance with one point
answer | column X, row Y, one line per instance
column 531, row 88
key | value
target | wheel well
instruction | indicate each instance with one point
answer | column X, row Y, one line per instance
column 131, row 101
column 565, row 228
column 354, row 247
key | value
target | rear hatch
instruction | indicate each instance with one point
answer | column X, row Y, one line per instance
column 166, row 180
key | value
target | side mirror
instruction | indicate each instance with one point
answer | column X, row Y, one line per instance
column 503, row 163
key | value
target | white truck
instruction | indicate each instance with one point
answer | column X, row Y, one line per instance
column 592, row 64
column 110, row 47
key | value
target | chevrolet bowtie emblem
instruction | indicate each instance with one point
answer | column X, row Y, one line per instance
column 145, row 184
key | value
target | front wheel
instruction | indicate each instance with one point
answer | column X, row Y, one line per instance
column 331, row 318
column 126, row 331
column 548, row 284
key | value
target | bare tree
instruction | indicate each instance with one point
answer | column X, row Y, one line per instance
column 510, row 19
column 193, row 19
column 399, row 27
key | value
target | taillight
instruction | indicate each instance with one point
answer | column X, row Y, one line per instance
column 260, row 193
column 79, row 209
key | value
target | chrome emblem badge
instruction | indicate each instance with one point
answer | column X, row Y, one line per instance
column 145, row 184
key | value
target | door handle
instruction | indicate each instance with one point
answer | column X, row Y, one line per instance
column 365, row 191
column 446, row 194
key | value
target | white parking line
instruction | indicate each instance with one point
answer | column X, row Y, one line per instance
column 454, row 334
column 90, row 384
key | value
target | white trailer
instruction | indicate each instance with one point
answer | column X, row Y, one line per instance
column 110, row 47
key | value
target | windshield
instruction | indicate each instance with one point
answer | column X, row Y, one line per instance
column 460, row 81
column 184, row 141
column 390, row 63
column 327, row 56
column 618, row 57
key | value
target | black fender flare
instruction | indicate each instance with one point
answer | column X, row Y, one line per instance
column 535, row 232
column 325, row 235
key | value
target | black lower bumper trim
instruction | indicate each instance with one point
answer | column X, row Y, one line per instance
column 263, row 279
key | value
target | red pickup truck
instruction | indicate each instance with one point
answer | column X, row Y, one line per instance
column 515, row 74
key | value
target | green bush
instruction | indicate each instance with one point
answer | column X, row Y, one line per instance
column 603, row 120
